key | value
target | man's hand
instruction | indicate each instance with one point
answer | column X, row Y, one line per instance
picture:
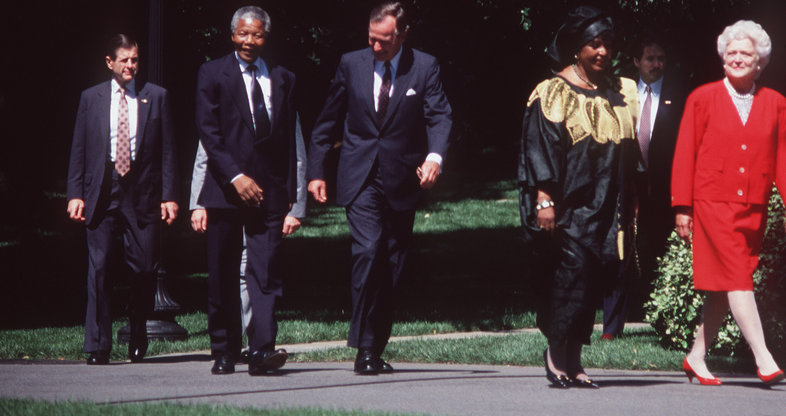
column 291, row 224
column 76, row 208
column 318, row 190
column 199, row 220
column 684, row 221
column 168, row 212
column 428, row 173
column 248, row 190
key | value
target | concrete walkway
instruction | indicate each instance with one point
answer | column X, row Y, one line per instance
column 434, row 389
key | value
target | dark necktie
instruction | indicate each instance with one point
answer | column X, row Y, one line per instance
column 123, row 145
column 384, row 94
column 644, row 126
column 261, row 119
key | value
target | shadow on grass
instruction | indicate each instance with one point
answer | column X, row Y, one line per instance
column 469, row 276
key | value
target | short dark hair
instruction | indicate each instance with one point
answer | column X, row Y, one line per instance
column 394, row 9
column 119, row 41
column 647, row 40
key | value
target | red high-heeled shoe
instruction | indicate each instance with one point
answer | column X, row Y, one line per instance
column 771, row 378
column 704, row 381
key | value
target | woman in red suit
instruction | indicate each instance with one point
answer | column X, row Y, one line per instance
column 730, row 149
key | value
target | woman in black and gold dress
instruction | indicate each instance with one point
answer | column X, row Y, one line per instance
column 577, row 166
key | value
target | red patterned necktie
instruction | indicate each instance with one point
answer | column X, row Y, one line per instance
column 644, row 126
column 123, row 146
column 384, row 94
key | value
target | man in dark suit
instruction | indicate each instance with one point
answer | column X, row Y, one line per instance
column 660, row 110
column 122, row 182
column 396, row 121
column 245, row 114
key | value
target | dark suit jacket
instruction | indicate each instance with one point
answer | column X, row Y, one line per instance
column 417, row 122
column 661, row 150
column 153, row 174
column 226, row 130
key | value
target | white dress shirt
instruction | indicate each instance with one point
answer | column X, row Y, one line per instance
column 656, row 88
column 114, row 107
column 263, row 77
column 379, row 72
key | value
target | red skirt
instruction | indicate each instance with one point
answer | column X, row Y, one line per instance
column 727, row 239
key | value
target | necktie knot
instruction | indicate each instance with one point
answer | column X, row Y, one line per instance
column 252, row 69
column 648, row 89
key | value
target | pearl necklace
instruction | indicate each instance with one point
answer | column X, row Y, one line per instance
column 578, row 74
column 748, row 96
column 742, row 102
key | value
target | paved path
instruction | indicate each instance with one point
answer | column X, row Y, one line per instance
column 434, row 389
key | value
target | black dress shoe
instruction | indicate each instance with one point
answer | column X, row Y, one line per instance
column 265, row 362
column 223, row 365
column 383, row 366
column 136, row 352
column 367, row 364
column 244, row 357
column 98, row 358
column 558, row 381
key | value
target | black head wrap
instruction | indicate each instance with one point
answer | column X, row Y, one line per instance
column 582, row 24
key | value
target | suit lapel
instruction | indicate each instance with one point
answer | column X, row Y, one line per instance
column 401, row 84
column 663, row 114
column 105, row 99
column 277, row 92
column 234, row 79
column 143, row 112
column 365, row 81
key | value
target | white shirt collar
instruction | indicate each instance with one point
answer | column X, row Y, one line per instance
column 260, row 63
column 393, row 62
column 656, row 86
column 130, row 87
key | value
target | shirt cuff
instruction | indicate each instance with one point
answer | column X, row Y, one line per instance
column 235, row 178
column 434, row 157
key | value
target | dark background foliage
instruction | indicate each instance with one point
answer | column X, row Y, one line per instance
column 491, row 52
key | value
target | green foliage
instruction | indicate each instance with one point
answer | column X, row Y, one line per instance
column 675, row 307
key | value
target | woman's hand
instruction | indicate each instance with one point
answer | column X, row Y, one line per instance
column 546, row 217
column 684, row 222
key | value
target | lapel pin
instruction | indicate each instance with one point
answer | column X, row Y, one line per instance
column 144, row 101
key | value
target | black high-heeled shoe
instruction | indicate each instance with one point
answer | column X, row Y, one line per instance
column 562, row 381
column 587, row 383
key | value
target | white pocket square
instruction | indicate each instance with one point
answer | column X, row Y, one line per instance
column 410, row 92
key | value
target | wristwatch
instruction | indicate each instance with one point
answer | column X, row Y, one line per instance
column 546, row 203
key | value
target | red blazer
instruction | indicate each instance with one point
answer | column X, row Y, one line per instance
column 719, row 159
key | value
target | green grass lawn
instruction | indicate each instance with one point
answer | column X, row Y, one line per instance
column 35, row 408
column 467, row 271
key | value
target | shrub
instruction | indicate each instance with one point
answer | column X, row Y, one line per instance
column 674, row 309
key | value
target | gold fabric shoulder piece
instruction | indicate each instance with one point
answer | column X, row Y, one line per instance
column 605, row 118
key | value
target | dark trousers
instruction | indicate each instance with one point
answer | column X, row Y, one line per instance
column 140, row 251
column 655, row 224
column 380, row 241
column 579, row 281
column 263, row 277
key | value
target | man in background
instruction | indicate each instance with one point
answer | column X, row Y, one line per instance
column 122, row 183
column 660, row 109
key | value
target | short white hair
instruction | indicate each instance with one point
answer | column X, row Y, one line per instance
column 250, row 12
column 747, row 29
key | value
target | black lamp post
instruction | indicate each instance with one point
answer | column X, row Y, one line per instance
column 162, row 325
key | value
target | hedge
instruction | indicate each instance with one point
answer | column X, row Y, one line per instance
column 674, row 308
